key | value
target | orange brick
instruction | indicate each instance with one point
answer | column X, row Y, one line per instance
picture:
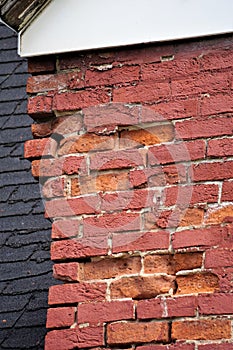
column 129, row 332
column 219, row 215
column 158, row 264
column 197, row 283
column 187, row 261
column 141, row 287
column 109, row 268
column 201, row 330
column 148, row 136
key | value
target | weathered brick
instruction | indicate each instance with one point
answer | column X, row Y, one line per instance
column 187, row 261
column 39, row 148
column 201, row 330
column 79, row 248
column 150, row 308
column 40, row 106
column 66, row 271
column 98, row 117
column 140, row 241
column 205, row 83
column 112, row 76
column 216, row 60
column 41, row 64
column 219, row 215
column 85, row 143
column 69, row 101
column 54, row 188
column 181, row 306
column 205, row 237
column 128, row 333
column 216, row 304
column 183, row 195
column 227, row 191
column 117, row 159
column 76, row 292
column 143, row 92
column 141, row 287
column 158, row 264
column 205, row 282
column 184, row 151
column 218, row 257
column 60, row 317
column 146, row 136
column 192, row 129
column 109, row 268
column 69, row 339
column 220, row 147
column 42, row 83
column 105, row 311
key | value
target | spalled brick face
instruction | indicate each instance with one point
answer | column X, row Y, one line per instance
column 137, row 175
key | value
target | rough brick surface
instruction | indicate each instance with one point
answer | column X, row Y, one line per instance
column 138, row 180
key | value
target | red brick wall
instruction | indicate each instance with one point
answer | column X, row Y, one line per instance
column 133, row 148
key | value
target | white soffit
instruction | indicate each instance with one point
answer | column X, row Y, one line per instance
column 74, row 25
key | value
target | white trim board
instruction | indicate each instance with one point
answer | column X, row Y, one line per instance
column 75, row 25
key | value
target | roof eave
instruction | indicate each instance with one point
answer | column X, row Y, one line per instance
column 18, row 14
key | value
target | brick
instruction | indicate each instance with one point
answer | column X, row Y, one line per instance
column 227, row 191
column 71, row 207
column 181, row 306
column 69, row 101
column 114, row 114
column 43, row 83
column 60, row 317
column 65, row 228
column 105, row 311
column 128, row 333
column 75, row 338
column 170, row 110
column 205, row 237
column 205, row 282
column 80, row 248
column 142, row 241
column 176, row 346
column 214, row 346
column 217, row 104
column 183, row 195
column 216, row 60
column 117, row 159
column 217, row 304
column 174, row 218
column 59, row 125
column 41, row 64
column 109, row 268
column 125, row 200
column 220, row 257
column 141, row 287
column 219, row 215
column 85, row 143
column 56, row 167
column 184, row 151
column 220, row 148
column 39, row 148
column 187, row 261
column 192, row 129
column 204, row 83
column 112, row 76
column 115, row 222
column 66, row 271
column 40, row 106
column 151, row 308
column 54, row 188
column 100, row 183
column 159, row 176
column 201, row 330
column 146, row 136
column 212, row 171
column 76, row 292
column 158, row 264
column 143, row 92
column 170, row 69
